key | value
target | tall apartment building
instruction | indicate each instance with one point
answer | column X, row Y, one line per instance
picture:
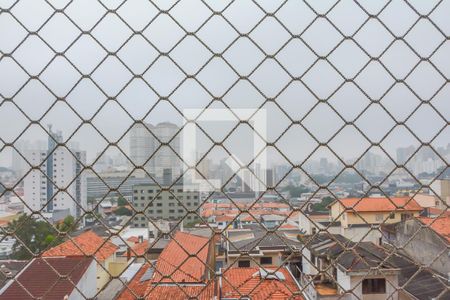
column 59, row 169
column 157, row 204
column 144, row 144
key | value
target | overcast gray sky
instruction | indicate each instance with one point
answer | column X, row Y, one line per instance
column 275, row 36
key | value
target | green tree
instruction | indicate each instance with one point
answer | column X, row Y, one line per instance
column 123, row 211
column 296, row 191
column 121, row 201
column 32, row 236
column 323, row 205
column 67, row 225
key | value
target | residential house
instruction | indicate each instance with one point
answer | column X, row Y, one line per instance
column 183, row 271
column 359, row 218
column 89, row 244
column 427, row 240
column 53, row 278
column 334, row 267
column 254, row 246
column 258, row 284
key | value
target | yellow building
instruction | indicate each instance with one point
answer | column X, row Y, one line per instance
column 368, row 211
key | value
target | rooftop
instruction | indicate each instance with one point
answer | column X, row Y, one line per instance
column 440, row 225
column 176, row 260
column 255, row 235
column 187, row 274
column 256, row 284
column 44, row 278
column 87, row 243
column 379, row 204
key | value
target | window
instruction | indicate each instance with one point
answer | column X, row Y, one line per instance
column 171, row 211
column 158, row 204
column 392, row 216
column 374, row 286
column 266, row 260
column 379, row 217
column 244, row 264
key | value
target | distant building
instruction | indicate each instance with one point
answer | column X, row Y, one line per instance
column 58, row 184
column 156, row 204
column 441, row 187
column 100, row 188
column 145, row 150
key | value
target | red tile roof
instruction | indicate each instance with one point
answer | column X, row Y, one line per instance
column 175, row 262
column 139, row 249
column 198, row 292
column 39, row 279
column 136, row 288
column 87, row 243
column 241, row 282
column 146, row 289
column 380, row 204
column 440, row 225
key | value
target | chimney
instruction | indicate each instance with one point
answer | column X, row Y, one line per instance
column 140, row 239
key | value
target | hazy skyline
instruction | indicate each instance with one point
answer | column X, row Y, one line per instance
column 144, row 76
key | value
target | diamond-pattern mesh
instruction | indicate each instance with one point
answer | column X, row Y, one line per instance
column 355, row 96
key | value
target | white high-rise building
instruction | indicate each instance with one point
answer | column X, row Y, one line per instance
column 57, row 184
column 144, row 144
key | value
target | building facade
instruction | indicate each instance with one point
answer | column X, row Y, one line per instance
column 59, row 183
column 145, row 150
column 172, row 204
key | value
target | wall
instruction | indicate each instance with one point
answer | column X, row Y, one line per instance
column 86, row 287
column 375, row 217
column 424, row 247
column 391, row 284
column 103, row 275
column 276, row 260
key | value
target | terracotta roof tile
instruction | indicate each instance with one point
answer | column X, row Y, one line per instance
column 140, row 249
column 136, row 288
column 174, row 292
column 240, row 282
column 87, row 243
column 380, row 204
column 175, row 262
column 440, row 225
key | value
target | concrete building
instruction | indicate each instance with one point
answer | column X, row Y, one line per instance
column 145, row 150
column 334, row 267
column 441, row 187
column 58, row 184
column 427, row 240
column 101, row 188
column 254, row 246
column 170, row 204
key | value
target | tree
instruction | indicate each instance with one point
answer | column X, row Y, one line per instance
column 67, row 225
column 32, row 236
column 121, row 201
column 323, row 205
column 296, row 191
column 123, row 211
